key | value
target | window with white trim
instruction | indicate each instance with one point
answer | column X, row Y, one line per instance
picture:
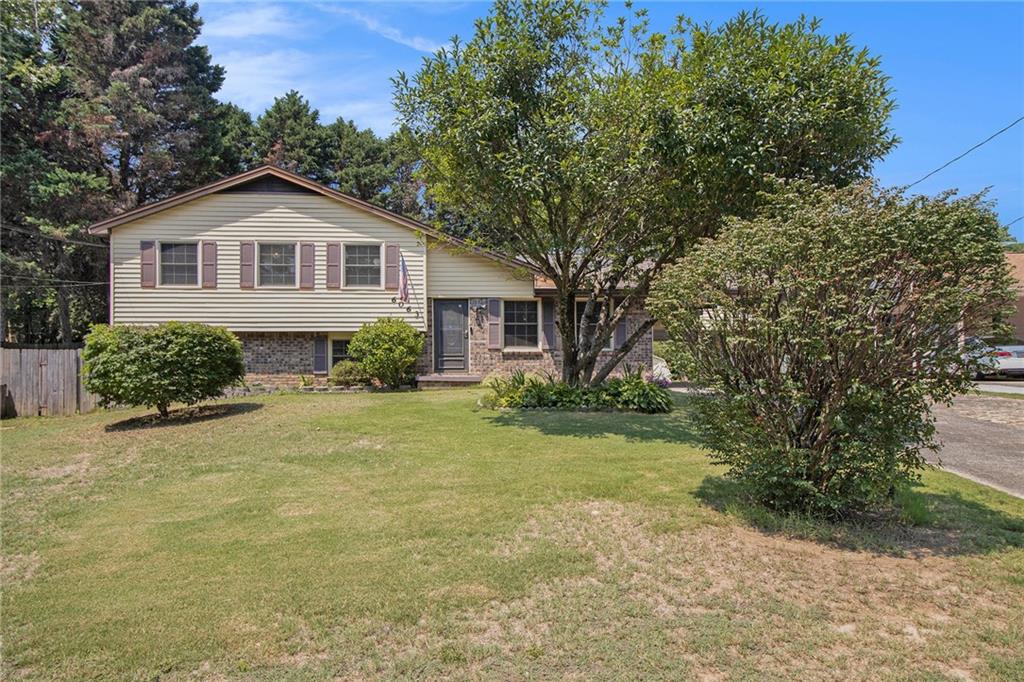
column 580, row 307
column 520, row 324
column 179, row 264
column 276, row 264
column 362, row 265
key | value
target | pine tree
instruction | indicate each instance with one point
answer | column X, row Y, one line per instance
column 144, row 92
column 289, row 135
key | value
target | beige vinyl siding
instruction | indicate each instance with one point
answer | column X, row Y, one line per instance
column 455, row 274
column 231, row 218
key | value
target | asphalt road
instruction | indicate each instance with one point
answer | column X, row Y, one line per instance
column 983, row 439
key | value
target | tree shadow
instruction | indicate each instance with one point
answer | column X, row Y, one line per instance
column 185, row 415
column 675, row 427
column 946, row 524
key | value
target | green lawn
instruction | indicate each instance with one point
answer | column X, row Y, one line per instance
column 411, row 535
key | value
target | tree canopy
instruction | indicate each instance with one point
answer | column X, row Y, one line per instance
column 825, row 328
column 598, row 150
column 109, row 105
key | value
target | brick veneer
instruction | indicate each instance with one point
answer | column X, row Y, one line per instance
column 282, row 357
column 483, row 361
column 277, row 357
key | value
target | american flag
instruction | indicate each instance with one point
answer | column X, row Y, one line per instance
column 403, row 281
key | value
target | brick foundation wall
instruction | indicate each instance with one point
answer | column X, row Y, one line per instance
column 483, row 361
column 277, row 357
column 280, row 358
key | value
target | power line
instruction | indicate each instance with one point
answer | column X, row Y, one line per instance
column 56, row 239
column 952, row 161
column 1015, row 220
column 52, row 286
column 53, row 280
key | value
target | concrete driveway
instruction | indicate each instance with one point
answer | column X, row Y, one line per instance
column 983, row 439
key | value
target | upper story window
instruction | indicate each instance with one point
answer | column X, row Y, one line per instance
column 580, row 307
column 520, row 324
column 179, row 264
column 362, row 265
column 277, row 264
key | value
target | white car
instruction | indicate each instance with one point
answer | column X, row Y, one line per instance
column 1004, row 359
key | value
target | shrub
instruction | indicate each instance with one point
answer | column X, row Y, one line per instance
column 631, row 392
column 348, row 373
column 387, row 350
column 825, row 328
column 157, row 366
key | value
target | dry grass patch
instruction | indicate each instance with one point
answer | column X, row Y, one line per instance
column 382, row 536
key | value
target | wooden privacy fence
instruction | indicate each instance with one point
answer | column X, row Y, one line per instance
column 43, row 381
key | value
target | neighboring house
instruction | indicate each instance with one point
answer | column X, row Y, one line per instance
column 294, row 269
column 1016, row 261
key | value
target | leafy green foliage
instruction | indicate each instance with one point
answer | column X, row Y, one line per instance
column 157, row 366
column 387, row 350
column 630, row 392
column 348, row 373
column 825, row 329
column 597, row 151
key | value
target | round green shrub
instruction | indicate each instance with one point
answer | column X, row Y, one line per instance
column 387, row 350
column 348, row 373
column 173, row 362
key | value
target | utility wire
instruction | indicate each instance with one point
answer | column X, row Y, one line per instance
column 52, row 286
column 952, row 161
column 53, row 280
column 1015, row 220
column 56, row 239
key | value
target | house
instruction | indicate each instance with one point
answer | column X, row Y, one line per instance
column 295, row 268
column 1016, row 262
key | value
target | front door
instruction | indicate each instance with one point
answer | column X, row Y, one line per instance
column 451, row 335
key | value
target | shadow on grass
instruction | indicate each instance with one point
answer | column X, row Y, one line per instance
column 674, row 427
column 944, row 524
column 185, row 415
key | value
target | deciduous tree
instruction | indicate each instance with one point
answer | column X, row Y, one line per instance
column 598, row 151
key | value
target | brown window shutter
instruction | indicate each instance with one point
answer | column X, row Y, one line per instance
column 320, row 355
column 307, row 263
column 494, row 324
column 247, row 275
column 147, row 251
column 550, row 339
column 391, row 257
column 209, row 265
column 333, row 265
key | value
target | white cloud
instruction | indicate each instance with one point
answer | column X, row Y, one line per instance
column 262, row 20
column 342, row 86
column 253, row 80
column 392, row 33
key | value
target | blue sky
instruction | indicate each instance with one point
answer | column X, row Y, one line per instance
column 957, row 68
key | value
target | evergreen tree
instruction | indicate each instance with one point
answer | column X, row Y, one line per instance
column 358, row 162
column 289, row 135
column 144, row 92
column 236, row 135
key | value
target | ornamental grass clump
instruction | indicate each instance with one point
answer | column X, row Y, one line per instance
column 823, row 331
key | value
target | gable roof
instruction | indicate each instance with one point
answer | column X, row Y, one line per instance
column 103, row 227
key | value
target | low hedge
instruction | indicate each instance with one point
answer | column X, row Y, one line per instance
column 630, row 392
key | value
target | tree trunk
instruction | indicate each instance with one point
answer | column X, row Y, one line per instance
column 164, row 412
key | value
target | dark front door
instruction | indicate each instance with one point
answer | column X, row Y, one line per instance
column 451, row 335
